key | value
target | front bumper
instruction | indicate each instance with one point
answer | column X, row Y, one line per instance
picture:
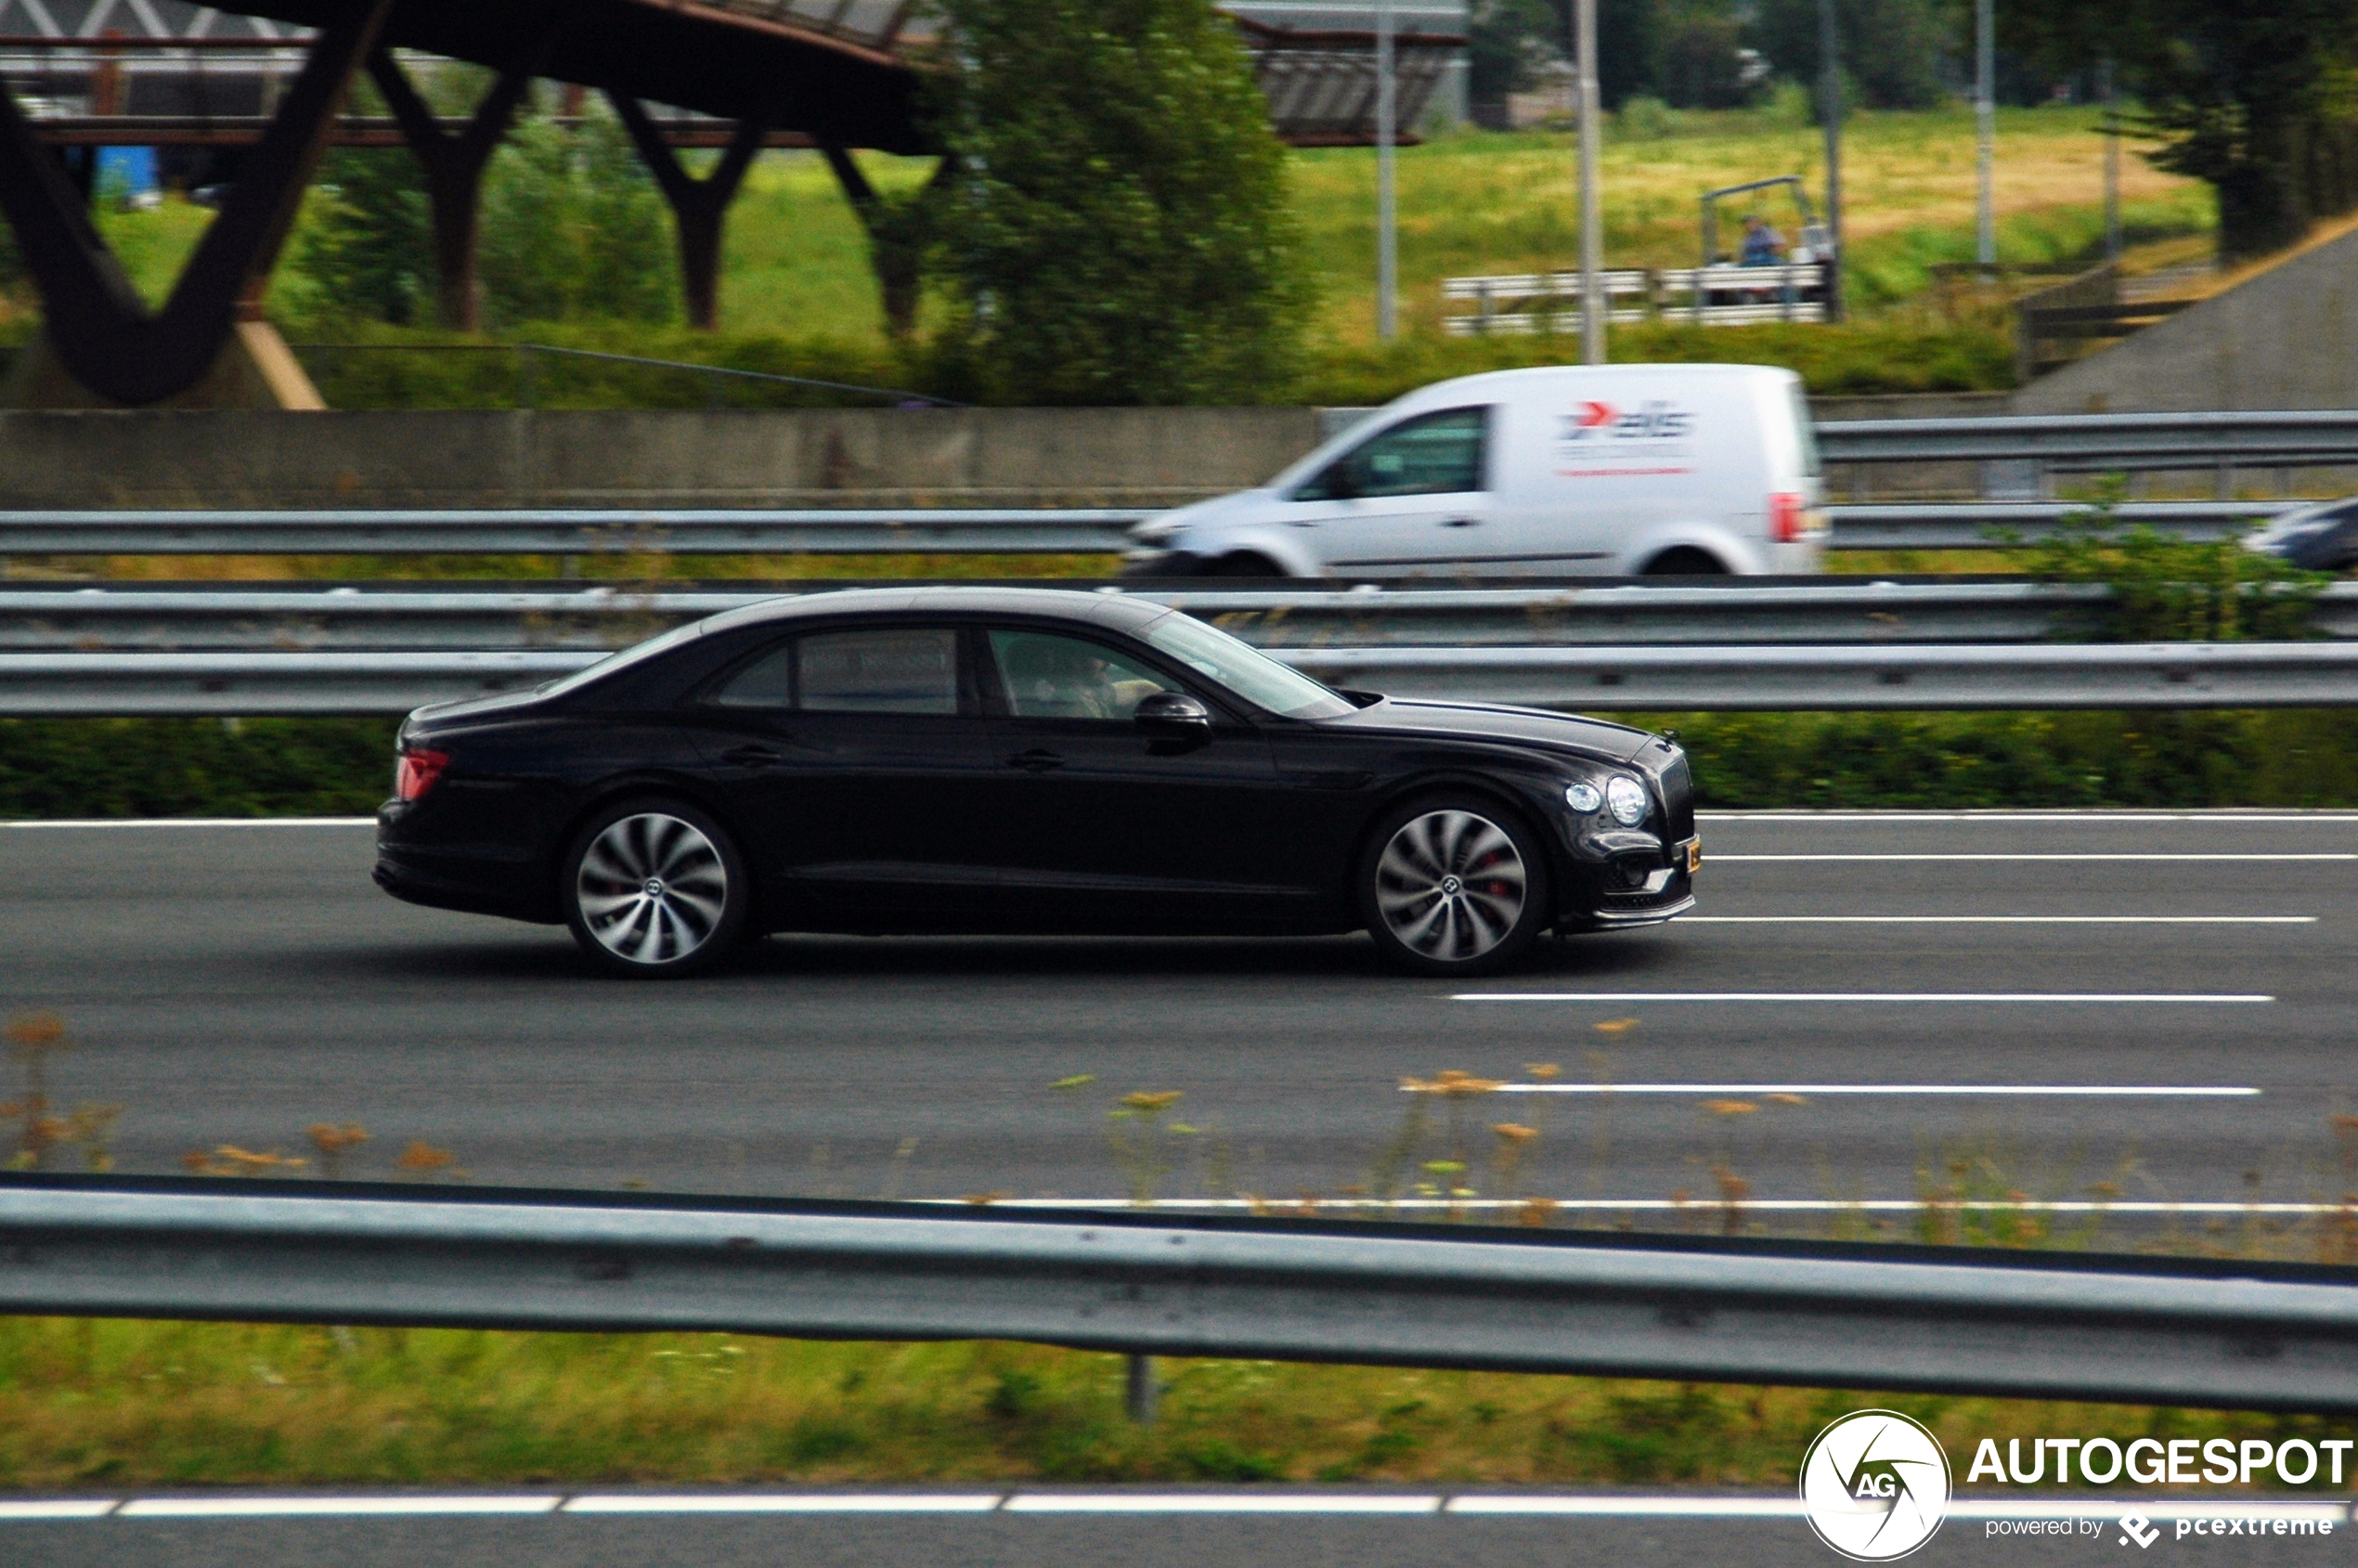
column 1637, row 880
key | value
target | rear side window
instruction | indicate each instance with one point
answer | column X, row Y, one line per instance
column 892, row 669
column 766, row 683
column 1431, row 455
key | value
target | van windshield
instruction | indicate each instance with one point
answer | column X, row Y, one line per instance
column 1805, row 433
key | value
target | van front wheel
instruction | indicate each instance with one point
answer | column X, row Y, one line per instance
column 1686, row 562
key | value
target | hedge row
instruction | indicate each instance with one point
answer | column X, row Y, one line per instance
column 296, row 767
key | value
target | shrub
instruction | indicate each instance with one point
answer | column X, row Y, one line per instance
column 1117, row 231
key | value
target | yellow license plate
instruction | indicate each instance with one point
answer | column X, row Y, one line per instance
column 1694, row 856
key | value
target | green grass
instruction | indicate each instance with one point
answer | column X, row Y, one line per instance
column 112, row 1403
column 799, row 299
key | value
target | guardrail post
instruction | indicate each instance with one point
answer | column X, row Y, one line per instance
column 1139, row 1391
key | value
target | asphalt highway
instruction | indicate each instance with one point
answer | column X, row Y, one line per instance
column 2138, row 1010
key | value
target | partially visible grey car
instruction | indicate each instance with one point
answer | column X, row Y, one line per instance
column 2320, row 537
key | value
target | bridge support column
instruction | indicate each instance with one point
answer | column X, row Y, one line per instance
column 699, row 207
column 896, row 235
column 454, row 168
column 103, row 335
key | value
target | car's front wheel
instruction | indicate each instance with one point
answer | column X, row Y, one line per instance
column 1453, row 885
column 655, row 888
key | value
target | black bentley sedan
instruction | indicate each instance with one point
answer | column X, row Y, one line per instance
column 945, row 759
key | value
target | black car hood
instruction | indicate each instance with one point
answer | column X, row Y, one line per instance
column 1527, row 726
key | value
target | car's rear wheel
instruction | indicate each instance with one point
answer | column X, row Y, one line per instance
column 1454, row 884
column 655, row 888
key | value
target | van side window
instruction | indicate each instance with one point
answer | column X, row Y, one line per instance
column 1431, row 455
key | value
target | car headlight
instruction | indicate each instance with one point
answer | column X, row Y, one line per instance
column 1584, row 797
column 1627, row 796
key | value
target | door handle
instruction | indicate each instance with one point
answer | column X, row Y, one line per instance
column 1037, row 761
column 1463, row 522
column 752, row 757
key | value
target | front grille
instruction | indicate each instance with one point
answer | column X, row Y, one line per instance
column 1679, row 799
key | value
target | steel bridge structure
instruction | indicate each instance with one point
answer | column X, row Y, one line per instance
column 268, row 81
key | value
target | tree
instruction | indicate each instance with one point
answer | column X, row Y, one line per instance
column 1115, row 230
column 367, row 249
column 1892, row 48
column 2257, row 99
column 1507, row 43
column 573, row 227
column 1698, row 58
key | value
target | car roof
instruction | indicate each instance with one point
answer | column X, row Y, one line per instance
column 1106, row 608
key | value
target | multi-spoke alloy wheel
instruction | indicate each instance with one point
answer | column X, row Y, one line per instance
column 1452, row 890
column 654, row 891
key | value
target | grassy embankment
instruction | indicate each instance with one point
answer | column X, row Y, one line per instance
column 106, row 1404
column 798, row 299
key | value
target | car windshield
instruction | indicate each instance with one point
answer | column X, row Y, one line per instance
column 1245, row 670
column 621, row 660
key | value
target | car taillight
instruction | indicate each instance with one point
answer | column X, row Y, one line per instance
column 1788, row 519
column 415, row 772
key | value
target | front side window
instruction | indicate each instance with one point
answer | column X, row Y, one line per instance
column 1245, row 670
column 1431, row 455
column 891, row 669
column 1046, row 676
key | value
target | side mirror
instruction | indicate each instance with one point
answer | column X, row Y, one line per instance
column 1172, row 713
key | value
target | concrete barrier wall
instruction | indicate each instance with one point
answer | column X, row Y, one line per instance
column 662, row 457
column 2286, row 338
column 650, row 458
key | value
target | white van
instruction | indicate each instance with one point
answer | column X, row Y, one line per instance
column 1571, row 471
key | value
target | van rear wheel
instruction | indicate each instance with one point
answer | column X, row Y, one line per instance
column 1244, row 567
column 1686, row 562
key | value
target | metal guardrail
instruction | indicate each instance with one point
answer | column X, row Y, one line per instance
column 915, row 530
column 2126, row 441
column 346, row 619
column 1593, row 679
column 255, row 685
column 2002, row 524
column 2137, row 1329
column 2147, row 675
column 905, row 530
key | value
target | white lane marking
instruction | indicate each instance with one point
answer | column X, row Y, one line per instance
column 788, row 1502
column 2000, row 818
column 2107, row 998
column 1226, row 1503
column 1632, row 1508
column 1959, row 1507
column 63, row 1508
column 194, row 821
column 1723, row 859
column 2150, row 1091
column 1997, row 920
column 1674, row 1205
column 299, row 1507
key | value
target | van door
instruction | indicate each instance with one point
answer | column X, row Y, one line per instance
column 1413, row 498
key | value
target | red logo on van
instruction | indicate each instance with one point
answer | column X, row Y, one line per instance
column 1591, row 415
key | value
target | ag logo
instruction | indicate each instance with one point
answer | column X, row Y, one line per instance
column 1874, row 1484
